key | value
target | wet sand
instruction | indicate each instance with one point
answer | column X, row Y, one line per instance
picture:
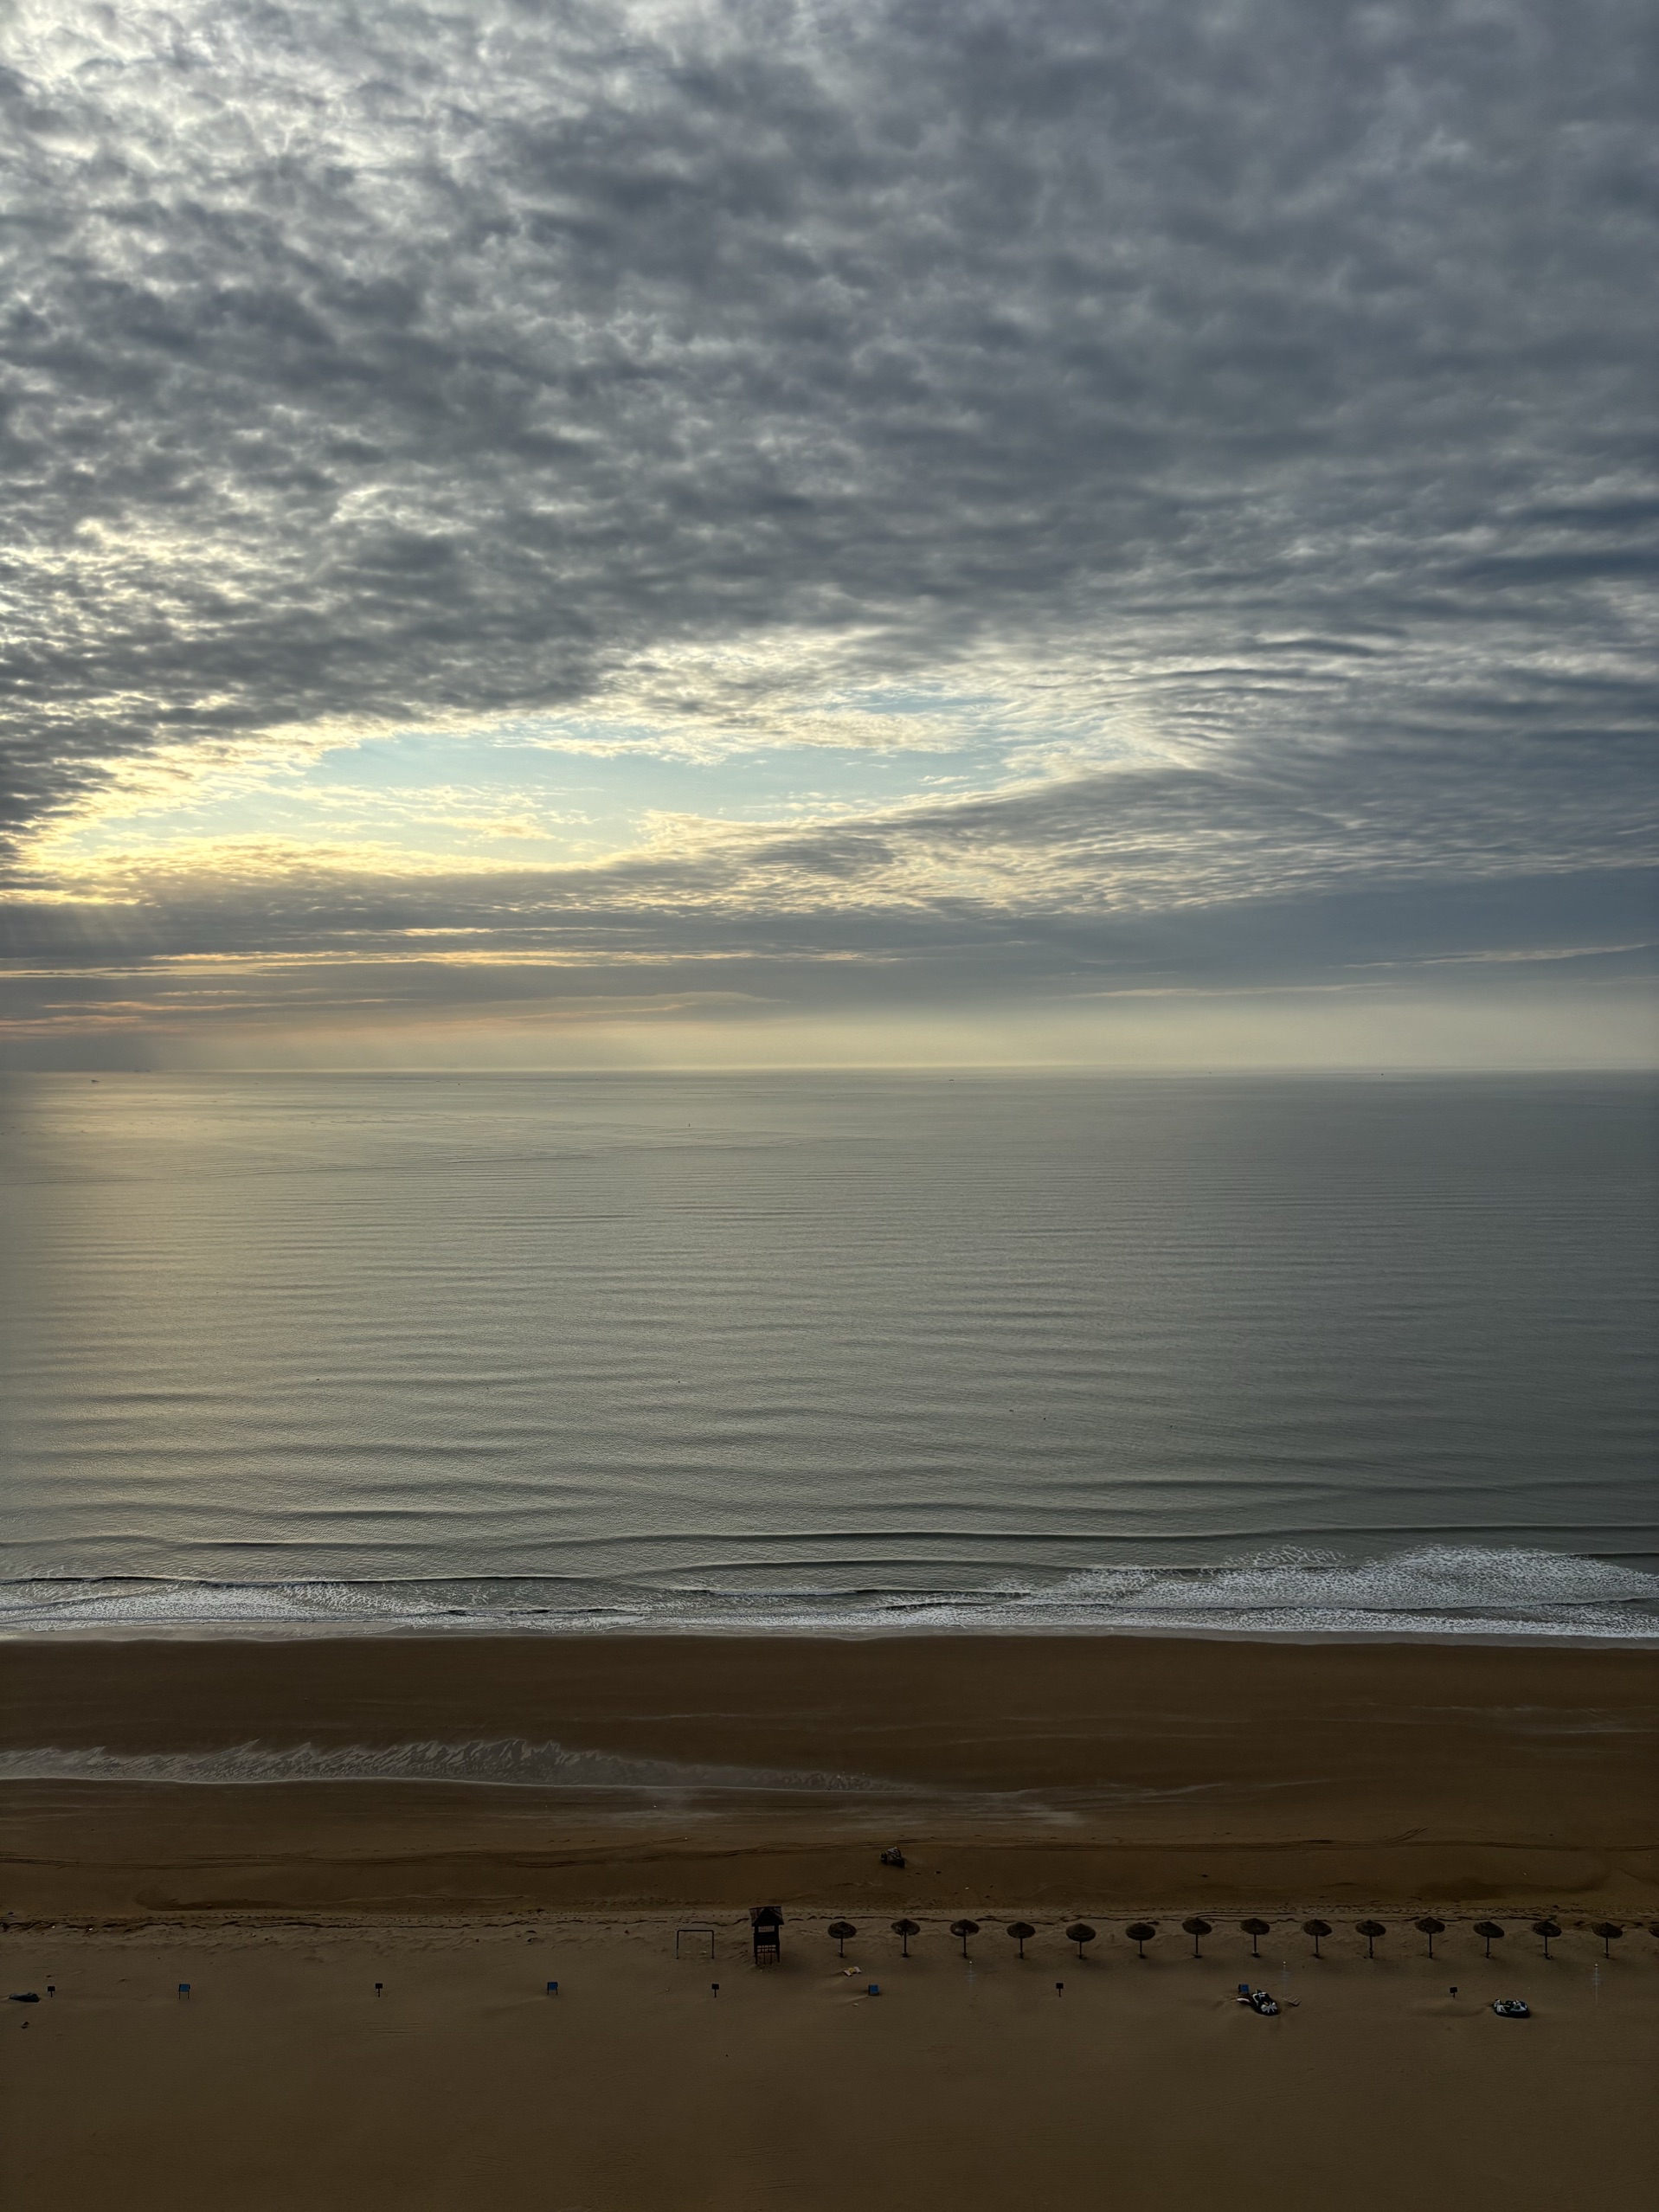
column 1032, row 1777
column 1047, row 1771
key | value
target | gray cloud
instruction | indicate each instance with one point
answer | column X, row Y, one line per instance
column 1275, row 378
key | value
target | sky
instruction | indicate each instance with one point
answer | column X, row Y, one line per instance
column 1004, row 532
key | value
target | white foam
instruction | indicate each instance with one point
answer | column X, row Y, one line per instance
column 503, row 1761
column 1430, row 1591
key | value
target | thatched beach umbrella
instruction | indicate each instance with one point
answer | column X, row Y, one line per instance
column 904, row 1930
column 1140, row 1935
column 841, row 1930
column 1316, row 1929
column 1255, row 1930
column 1369, row 1930
column 1548, row 1929
column 1195, row 1928
column 1431, row 1927
column 1608, row 1930
column 1080, row 1933
column 1020, row 1930
column 964, row 1929
column 1488, row 1932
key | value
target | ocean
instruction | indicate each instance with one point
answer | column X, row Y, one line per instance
column 283, row 1354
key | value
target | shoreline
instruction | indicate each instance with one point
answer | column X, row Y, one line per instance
column 215, row 1632
column 484, row 1775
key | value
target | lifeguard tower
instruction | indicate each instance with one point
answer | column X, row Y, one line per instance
column 765, row 1921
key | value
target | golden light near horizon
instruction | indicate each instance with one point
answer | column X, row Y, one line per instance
column 818, row 577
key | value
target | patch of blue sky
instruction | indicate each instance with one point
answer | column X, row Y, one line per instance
column 526, row 798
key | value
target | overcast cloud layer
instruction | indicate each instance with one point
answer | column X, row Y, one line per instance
column 1011, row 502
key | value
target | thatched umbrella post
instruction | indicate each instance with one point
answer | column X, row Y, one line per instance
column 1316, row 1929
column 1080, row 1933
column 1431, row 1927
column 1140, row 1935
column 904, row 1930
column 1488, row 1932
column 1548, row 1929
column 1021, row 1930
column 1195, row 1927
column 1369, row 1930
column 1608, row 1930
column 841, row 1930
column 964, row 1929
column 1255, row 1930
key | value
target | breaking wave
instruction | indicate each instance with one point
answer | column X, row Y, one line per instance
column 1431, row 1590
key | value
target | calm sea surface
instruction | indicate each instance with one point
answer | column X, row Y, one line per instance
column 859, row 1350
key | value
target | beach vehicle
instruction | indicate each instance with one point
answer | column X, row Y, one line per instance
column 1511, row 2009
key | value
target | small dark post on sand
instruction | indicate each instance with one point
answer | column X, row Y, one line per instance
column 1059, row 1989
column 1369, row 1930
column 1548, row 1929
column 379, row 1986
column 904, row 1930
column 1196, row 1928
column 1140, row 1935
column 964, row 1929
column 765, row 1921
column 1608, row 1930
column 1255, row 1930
column 715, row 1986
column 1080, row 1933
column 1431, row 1928
column 1021, row 1930
column 1316, row 1929
column 1487, row 1931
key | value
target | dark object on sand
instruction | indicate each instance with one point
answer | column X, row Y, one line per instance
column 1080, row 1933
column 1316, row 1929
column 1258, row 2000
column 764, row 1922
column 1140, row 1935
column 25, row 1996
column 1431, row 1928
column 1608, row 1930
column 183, row 1988
column 1513, row 2008
column 893, row 1857
column 841, row 1930
column 1255, row 1930
column 1195, row 1928
column 1489, row 1932
column 1021, row 1930
column 379, row 1986
column 904, row 1930
column 964, row 1929
column 552, row 1989
column 1369, row 1930
column 1548, row 1929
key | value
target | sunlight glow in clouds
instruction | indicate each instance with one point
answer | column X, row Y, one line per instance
column 824, row 532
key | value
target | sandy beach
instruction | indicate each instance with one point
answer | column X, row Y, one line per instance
column 284, row 2081
column 711, row 1771
column 1031, row 1779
